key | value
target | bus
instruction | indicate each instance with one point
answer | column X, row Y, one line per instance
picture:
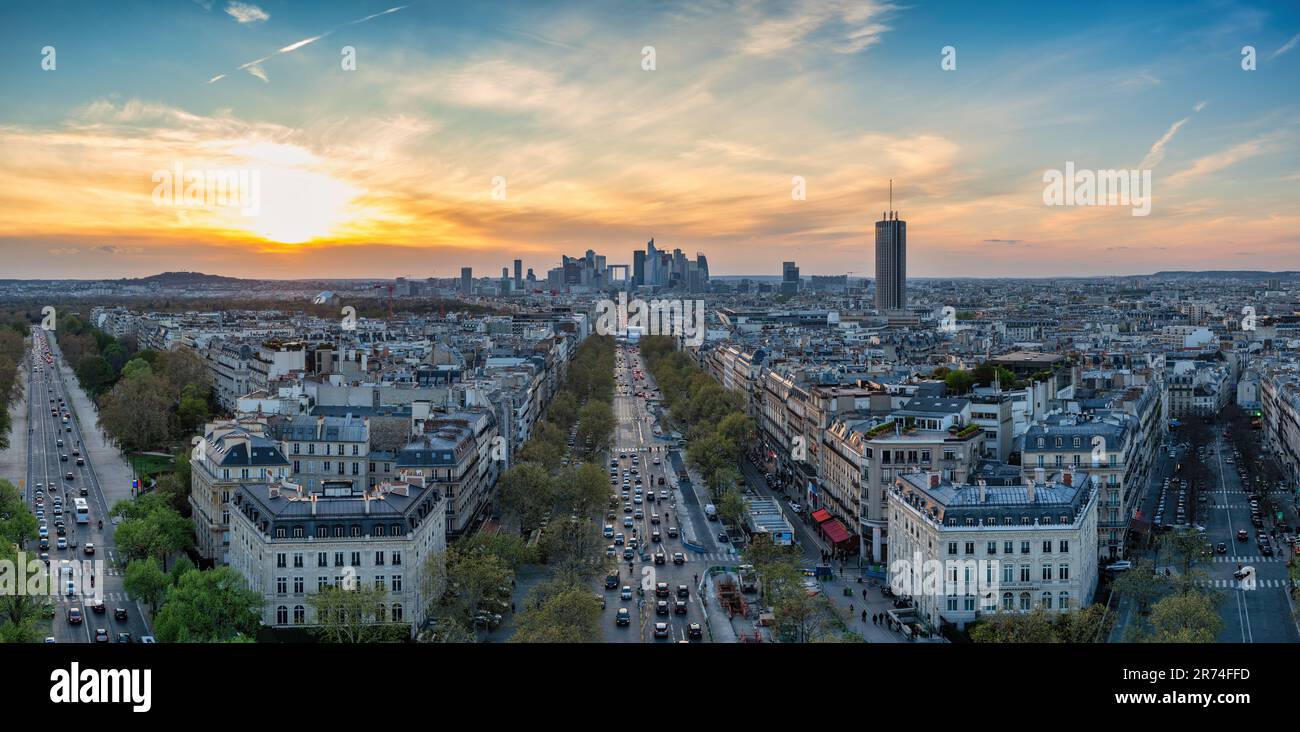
column 82, row 511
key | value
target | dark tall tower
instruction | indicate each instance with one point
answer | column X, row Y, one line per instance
column 638, row 268
column 891, row 259
column 519, row 274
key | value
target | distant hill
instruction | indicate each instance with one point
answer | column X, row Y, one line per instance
column 184, row 279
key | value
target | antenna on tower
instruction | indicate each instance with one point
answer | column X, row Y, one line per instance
column 891, row 195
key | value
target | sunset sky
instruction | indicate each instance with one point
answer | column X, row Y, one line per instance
column 388, row 170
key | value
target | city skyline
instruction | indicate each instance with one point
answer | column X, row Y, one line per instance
column 394, row 169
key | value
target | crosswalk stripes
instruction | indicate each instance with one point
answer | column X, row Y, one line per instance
column 1223, row 559
column 1232, row 584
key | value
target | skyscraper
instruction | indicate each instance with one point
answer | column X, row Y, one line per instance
column 638, row 268
column 789, row 278
column 891, row 260
column 466, row 280
column 519, row 274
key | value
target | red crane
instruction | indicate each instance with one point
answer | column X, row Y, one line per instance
column 390, row 297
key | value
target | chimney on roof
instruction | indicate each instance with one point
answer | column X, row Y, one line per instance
column 1040, row 475
column 1029, row 489
column 934, row 479
column 313, row 504
column 1068, row 477
column 984, row 489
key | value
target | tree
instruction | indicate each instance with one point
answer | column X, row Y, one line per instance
column 20, row 612
column 1035, row 626
column 135, row 368
column 527, row 493
column 570, row 616
column 94, row 373
column 208, row 607
column 1185, row 618
column 151, row 527
column 563, row 410
column 17, row 524
column 193, row 408
column 574, row 550
column 137, row 412
column 1141, row 584
column 595, row 425
column 1186, row 549
column 582, row 488
column 959, row 382
column 732, row 506
column 146, row 580
column 459, row 581
column 349, row 616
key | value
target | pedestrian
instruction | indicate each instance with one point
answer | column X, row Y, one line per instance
column 850, row 608
column 864, row 616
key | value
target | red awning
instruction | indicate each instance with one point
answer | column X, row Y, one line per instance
column 835, row 531
column 821, row 515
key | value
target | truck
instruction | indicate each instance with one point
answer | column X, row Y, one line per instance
column 748, row 578
column 710, row 512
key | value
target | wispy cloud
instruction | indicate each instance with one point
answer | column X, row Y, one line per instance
column 1157, row 151
column 256, row 63
column 846, row 26
column 1295, row 40
column 1218, row 161
column 245, row 13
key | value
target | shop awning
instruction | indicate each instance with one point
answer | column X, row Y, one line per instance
column 835, row 531
column 821, row 515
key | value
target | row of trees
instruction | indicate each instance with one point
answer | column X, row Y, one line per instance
column 477, row 574
column 712, row 418
column 21, row 613
column 959, row 381
column 801, row 616
column 12, row 346
column 147, row 399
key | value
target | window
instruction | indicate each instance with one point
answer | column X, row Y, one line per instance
column 397, row 612
column 1024, row 547
column 297, row 560
column 338, row 559
column 297, row 532
column 952, row 547
column 380, row 582
column 1064, row 546
column 297, row 585
column 279, row 533
column 311, row 448
column 1024, row 601
column 281, row 560
column 354, row 449
column 322, row 583
column 1047, row 546
column 299, row 614
column 1008, row 601
column 1024, row 573
column 281, row 585
column 379, row 559
column 356, row 468
column 397, row 583
column 397, row 559
column 396, row 531
column 1047, row 601
column 1063, row 572
column 1041, row 443
column 1047, row 573
column 327, row 466
column 952, row 604
column 1008, row 573
column 322, row 559
column 1008, row 547
column 322, row 532
column 993, row 547
column 970, row 547
column 356, row 559
column 282, row 615
column 297, row 448
column 356, row 530
column 297, row 468
column 1064, row 600
column 338, row 531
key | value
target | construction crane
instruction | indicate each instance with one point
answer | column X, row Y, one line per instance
column 389, row 287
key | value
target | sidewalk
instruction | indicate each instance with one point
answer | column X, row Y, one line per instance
column 112, row 472
column 875, row 603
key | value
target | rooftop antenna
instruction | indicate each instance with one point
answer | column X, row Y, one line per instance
column 891, row 196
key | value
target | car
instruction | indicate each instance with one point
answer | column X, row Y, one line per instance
column 611, row 581
column 654, row 518
column 679, row 558
column 43, row 532
column 679, row 607
column 627, row 522
column 123, row 637
column 661, row 589
column 618, row 539
column 795, row 507
column 44, row 544
column 1266, row 550
column 661, row 630
column 683, row 591
column 672, row 532
column 627, row 508
column 638, row 515
column 50, row 639
column 63, row 458
column 97, row 607
column 45, row 558
column 628, row 554
column 637, row 501
column 611, row 551
column 147, row 639
column 609, row 531
column 625, row 593
column 695, row 630
column 119, row 613
column 101, row 635
column 660, row 558
column 74, row 615
column 1120, row 566
column 62, row 543
column 1221, row 548
column 89, row 549
column 1242, row 535
column 69, row 476
column 623, row 617
column 723, row 538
